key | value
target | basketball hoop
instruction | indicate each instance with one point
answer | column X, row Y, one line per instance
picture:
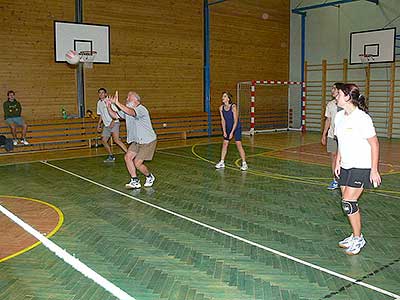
column 366, row 59
column 87, row 58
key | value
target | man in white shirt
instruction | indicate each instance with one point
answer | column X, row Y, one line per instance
column 110, row 128
column 328, row 136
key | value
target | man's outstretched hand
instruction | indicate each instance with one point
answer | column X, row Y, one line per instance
column 114, row 99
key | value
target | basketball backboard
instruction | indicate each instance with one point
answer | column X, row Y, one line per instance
column 378, row 44
column 82, row 37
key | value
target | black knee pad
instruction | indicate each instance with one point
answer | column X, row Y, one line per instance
column 350, row 207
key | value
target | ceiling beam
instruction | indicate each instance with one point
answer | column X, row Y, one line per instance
column 216, row 2
column 300, row 10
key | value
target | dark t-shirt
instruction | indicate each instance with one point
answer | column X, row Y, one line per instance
column 12, row 109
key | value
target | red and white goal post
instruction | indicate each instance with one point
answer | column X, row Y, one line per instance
column 271, row 105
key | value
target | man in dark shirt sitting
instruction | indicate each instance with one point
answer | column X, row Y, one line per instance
column 12, row 115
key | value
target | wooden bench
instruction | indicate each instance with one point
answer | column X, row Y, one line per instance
column 56, row 134
column 82, row 132
column 176, row 126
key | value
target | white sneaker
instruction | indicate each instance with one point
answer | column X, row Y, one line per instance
column 346, row 243
column 356, row 246
column 133, row 184
column 149, row 180
column 220, row 165
column 15, row 142
column 25, row 142
column 244, row 166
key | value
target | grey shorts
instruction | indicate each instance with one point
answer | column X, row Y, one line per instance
column 19, row 121
column 143, row 151
column 107, row 131
column 331, row 145
column 354, row 177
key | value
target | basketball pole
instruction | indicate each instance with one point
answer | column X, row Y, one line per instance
column 207, row 100
column 206, row 71
column 79, row 70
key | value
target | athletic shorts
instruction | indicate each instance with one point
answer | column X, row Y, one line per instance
column 331, row 145
column 143, row 151
column 107, row 130
column 354, row 177
column 19, row 121
column 237, row 134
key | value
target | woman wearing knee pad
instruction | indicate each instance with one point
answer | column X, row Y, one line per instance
column 357, row 159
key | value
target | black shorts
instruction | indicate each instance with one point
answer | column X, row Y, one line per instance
column 354, row 177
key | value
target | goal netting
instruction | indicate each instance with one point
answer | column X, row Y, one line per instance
column 271, row 105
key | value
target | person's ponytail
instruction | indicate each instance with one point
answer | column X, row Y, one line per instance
column 362, row 103
column 357, row 99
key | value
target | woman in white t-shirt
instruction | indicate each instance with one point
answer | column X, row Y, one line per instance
column 357, row 159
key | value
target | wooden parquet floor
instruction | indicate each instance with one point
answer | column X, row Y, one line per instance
column 206, row 234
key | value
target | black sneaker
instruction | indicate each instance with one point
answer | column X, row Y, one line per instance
column 110, row 158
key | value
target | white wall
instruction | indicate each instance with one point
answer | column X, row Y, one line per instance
column 328, row 29
column 328, row 37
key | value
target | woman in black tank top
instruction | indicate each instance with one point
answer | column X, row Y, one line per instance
column 231, row 127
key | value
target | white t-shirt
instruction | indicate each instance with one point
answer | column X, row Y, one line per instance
column 103, row 112
column 139, row 128
column 352, row 132
column 330, row 112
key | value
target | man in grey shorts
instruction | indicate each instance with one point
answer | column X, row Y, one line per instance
column 110, row 128
column 140, row 136
column 328, row 138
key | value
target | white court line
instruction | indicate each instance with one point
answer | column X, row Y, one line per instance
column 316, row 267
column 68, row 258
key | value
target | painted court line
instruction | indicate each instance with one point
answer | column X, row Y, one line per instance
column 316, row 267
column 304, row 180
column 68, row 258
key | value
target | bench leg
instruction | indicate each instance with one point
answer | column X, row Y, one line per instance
column 93, row 142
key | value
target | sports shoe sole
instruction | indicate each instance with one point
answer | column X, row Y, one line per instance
column 131, row 187
column 148, row 185
column 351, row 254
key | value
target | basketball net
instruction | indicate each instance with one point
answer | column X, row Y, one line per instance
column 87, row 58
column 366, row 59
